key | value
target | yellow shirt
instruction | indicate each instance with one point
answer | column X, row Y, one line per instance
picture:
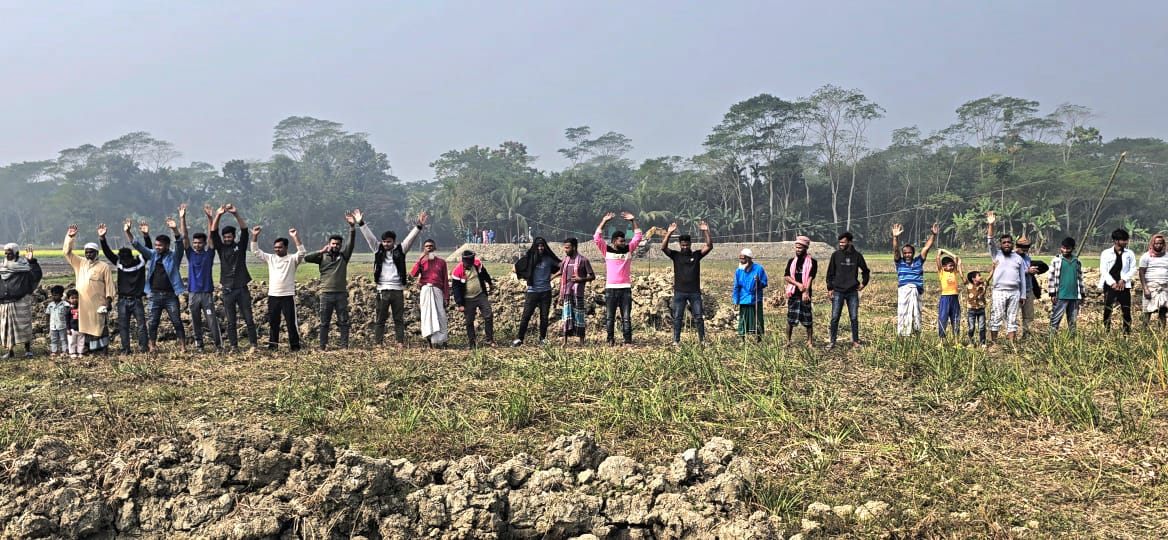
column 948, row 282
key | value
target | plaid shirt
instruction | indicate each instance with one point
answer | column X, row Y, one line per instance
column 1056, row 268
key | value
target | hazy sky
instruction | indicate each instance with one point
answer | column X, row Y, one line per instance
column 426, row 77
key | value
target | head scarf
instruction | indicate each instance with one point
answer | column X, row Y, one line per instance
column 747, row 253
column 1152, row 241
column 803, row 240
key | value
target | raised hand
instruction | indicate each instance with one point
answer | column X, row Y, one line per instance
column 182, row 210
column 359, row 215
column 627, row 216
column 703, row 226
column 990, row 217
column 350, row 218
column 422, row 217
column 28, row 252
column 292, row 233
column 230, row 208
column 608, row 216
column 672, row 227
column 222, row 210
column 936, row 229
column 144, row 227
column 72, row 230
column 101, row 229
column 126, row 224
column 170, row 222
column 897, row 229
column 255, row 231
column 208, row 212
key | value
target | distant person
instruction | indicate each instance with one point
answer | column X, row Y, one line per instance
column 164, row 284
column 1009, row 282
column 389, row 274
column 537, row 267
column 910, row 281
column 1117, row 268
column 847, row 275
column 95, row 287
column 750, row 281
column 201, row 285
column 618, row 261
column 234, row 275
column 575, row 274
column 491, row 236
column 281, row 286
column 131, row 269
column 472, row 285
column 1030, row 282
column 1153, row 271
column 484, row 234
column 333, row 262
column 949, row 303
column 975, row 299
column 19, row 278
column 800, row 274
column 433, row 295
column 1065, row 286
column 687, row 279
column 59, row 312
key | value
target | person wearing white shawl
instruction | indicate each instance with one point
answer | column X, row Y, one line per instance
column 19, row 277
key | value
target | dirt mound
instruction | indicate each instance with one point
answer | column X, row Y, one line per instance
column 248, row 482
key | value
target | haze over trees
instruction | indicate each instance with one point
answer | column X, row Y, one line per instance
column 774, row 167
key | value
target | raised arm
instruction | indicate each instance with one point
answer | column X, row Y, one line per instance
column 668, row 233
column 347, row 251
column 637, row 234
column 210, row 221
column 896, row 230
column 929, row 242
column 993, row 246
column 182, row 219
column 598, row 236
column 709, row 243
column 105, row 248
column 67, row 247
column 366, row 232
column 255, row 244
column 412, row 236
column 300, row 253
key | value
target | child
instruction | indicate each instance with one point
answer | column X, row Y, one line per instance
column 975, row 294
column 60, row 312
column 949, row 306
column 76, row 338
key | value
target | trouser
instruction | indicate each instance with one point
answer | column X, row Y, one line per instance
column 976, row 318
column 76, row 342
column 331, row 302
column 58, row 340
column 237, row 302
column 1027, row 312
column 128, row 307
column 1111, row 297
column 532, row 300
column 471, row 307
column 622, row 299
column 949, row 313
column 852, row 299
column 1069, row 308
column 282, row 307
column 1004, row 308
column 908, row 310
column 165, row 301
column 202, row 304
column 694, row 300
column 390, row 300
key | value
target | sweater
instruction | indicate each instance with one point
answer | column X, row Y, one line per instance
column 334, row 267
column 617, row 262
column 281, row 270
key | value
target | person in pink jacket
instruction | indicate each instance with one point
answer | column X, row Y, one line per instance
column 618, row 260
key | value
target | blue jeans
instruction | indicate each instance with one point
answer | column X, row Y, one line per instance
column 694, row 299
column 976, row 319
column 622, row 299
column 131, row 307
column 168, row 301
column 1061, row 307
column 838, row 299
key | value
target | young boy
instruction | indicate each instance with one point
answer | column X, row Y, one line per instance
column 975, row 295
column 76, row 346
column 949, row 305
column 60, row 313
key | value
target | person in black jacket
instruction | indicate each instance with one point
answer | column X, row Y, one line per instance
column 537, row 267
column 389, row 274
column 19, row 277
column 472, row 286
column 233, row 275
column 131, row 288
column 847, row 275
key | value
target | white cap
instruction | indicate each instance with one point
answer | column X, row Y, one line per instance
column 747, row 253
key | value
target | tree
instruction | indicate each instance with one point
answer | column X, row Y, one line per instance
column 836, row 120
column 296, row 134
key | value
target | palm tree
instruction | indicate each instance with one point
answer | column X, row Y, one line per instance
column 510, row 196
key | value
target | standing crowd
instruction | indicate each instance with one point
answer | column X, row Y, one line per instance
column 145, row 280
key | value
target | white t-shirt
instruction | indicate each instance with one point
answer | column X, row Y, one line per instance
column 1156, row 268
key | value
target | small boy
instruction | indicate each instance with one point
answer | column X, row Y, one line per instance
column 975, row 296
column 76, row 338
column 949, row 305
column 60, row 312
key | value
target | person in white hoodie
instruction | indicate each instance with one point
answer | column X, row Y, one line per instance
column 281, row 286
column 1117, row 269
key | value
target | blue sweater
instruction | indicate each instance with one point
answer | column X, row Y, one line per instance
column 748, row 285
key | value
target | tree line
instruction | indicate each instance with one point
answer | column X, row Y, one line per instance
column 771, row 169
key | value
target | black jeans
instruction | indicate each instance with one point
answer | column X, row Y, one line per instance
column 532, row 300
column 473, row 306
column 622, row 299
column 282, row 306
column 390, row 300
column 129, row 306
column 337, row 302
column 1123, row 298
column 239, row 299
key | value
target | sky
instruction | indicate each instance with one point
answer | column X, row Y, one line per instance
column 422, row 78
